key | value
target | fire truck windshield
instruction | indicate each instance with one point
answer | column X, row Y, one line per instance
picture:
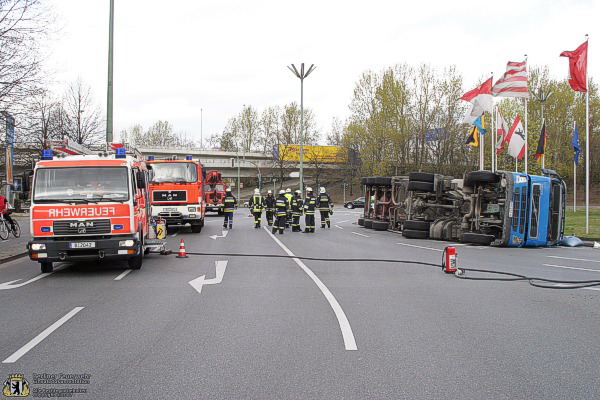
column 87, row 184
column 173, row 172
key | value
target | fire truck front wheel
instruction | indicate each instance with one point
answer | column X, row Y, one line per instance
column 136, row 262
column 46, row 267
column 196, row 228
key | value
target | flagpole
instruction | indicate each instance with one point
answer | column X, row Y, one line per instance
column 544, row 133
column 481, row 144
column 587, row 146
column 574, row 176
column 526, row 132
column 493, row 136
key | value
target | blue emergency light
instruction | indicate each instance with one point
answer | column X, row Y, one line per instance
column 188, row 157
column 150, row 158
column 120, row 152
column 46, row 154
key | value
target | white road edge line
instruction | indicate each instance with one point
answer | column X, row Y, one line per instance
column 36, row 340
column 341, row 222
column 348, row 336
column 565, row 267
column 122, row 275
column 339, row 227
column 574, row 259
column 360, row 234
column 419, row 247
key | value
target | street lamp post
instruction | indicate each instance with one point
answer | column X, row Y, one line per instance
column 109, row 97
column 302, row 75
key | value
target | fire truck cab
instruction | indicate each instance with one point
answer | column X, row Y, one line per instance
column 89, row 207
column 176, row 191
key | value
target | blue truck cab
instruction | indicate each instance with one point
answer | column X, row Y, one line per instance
column 535, row 210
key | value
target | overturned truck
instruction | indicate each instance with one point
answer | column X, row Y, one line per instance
column 488, row 208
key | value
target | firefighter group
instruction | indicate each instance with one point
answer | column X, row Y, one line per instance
column 285, row 210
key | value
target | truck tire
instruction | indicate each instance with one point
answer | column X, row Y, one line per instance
column 416, row 225
column 136, row 262
column 368, row 223
column 381, row 225
column 381, row 181
column 477, row 238
column 474, row 177
column 196, row 228
column 416, row 186
column 421, row 177
column 361, row 222
column 46, row 267
column 410, row 234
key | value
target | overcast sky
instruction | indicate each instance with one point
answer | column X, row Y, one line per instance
column 173, row 58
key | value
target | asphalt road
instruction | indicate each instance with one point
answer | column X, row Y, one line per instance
column 283, row 329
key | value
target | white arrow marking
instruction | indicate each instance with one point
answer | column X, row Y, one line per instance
column 9, row 285
column 223, row 234
column 201, row 281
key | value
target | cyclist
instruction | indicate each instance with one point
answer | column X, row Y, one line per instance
column 4, row 210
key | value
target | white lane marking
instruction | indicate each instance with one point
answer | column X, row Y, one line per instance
column 122, row 275
column 341, row 222
column 223, row 234
column 574, row 259
column 419, row 247
column 220, row 267
column 13, row 285
column 565, row 267
column 339, row 227
column 36, row 340
column 175, row 234
column 591, row 288
column 360, row 234
column 348, row 336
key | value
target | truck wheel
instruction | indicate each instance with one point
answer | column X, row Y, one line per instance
column 480, row 177
column 368, row 223
column 415, row 225
column 411, row 234
column 361, row 222
column 421, row 177
column 381, row 180
column 415, row 186
column 46, row 267
column 477, row 238
column 381, row 225
column 136, row 262
column 196, row 228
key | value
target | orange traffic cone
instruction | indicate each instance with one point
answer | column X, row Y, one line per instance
column 181, row 250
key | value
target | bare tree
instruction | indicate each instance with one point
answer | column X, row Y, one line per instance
column 23, row 25
column 87, row 124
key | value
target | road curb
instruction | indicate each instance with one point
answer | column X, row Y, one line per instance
column 12, row 258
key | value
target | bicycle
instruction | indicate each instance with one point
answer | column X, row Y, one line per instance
column 6, row 229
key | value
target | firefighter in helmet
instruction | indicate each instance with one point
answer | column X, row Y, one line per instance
column 281, row 208
column 325, row 207
column 269, row 207
column 288, row 197
column 310, row 204
column 296, row 211
column 256, row 204
column 230, row 204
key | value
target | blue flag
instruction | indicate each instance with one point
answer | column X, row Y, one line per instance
column 575, row 144
column 479, row 123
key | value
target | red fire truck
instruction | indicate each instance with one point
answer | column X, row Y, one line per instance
column 214, row 191
column 89, row 207
column 176, row 191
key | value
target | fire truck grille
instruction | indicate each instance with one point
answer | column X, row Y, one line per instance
column 169, row 195
column 89, row 227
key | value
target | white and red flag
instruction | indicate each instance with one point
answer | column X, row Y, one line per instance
column 480, row 99
column 516, row 139
column 514, row 81
column 501, row 131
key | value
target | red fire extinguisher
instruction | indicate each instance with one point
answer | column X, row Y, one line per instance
column 449, row 260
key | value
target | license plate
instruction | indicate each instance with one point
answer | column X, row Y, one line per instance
column 82, row 245
column 170, row 209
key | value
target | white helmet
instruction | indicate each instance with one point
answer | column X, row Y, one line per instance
column 228, row 189
column 288, row 190
column 256, row 191
column 298, row 192
column 269, row 192
column 282, row 191
column 309, row 189
column 322, row 190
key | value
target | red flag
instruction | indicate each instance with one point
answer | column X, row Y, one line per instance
column 577, row 67
column 485, row 88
